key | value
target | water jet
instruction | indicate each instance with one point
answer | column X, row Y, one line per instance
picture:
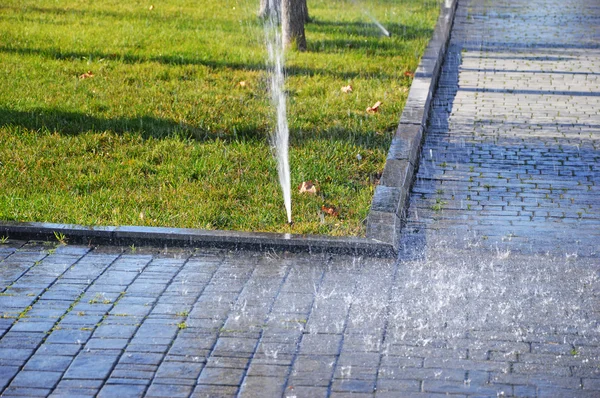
column 280, row 136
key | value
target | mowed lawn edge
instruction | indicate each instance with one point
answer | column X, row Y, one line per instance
column 118, row 114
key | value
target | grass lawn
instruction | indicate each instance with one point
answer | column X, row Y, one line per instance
column 162, row 133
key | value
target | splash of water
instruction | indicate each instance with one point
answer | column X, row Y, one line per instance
column 280, row 137
column 376, row 22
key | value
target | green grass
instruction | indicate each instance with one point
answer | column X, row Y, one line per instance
column 164, row 135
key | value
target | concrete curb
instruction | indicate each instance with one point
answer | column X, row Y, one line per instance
column 391, row 195
column 183, row 237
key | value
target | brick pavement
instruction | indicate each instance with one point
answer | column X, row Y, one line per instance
column 496, row 294
column 512, row 152
column 111, row 322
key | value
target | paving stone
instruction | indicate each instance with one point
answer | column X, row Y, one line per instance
column 69, row 350
column 140, row 358
column 122, row 390
column 398, row 385
column 128, row 381
column 262, row 386
column 268, row 370
column 354, row 386
column 68, row 336
column 96, row 343
column 15, row 354
column 221, row 376
column 6, row 374
column 320, row 344
column 24, row 340
column 185, row 370
column 73, row 393
column 42, row 362
column 356, row 372
column 214, row 391
column 90, row 366
column 32, row 326
column 132, row 374
column 26, row 392
column 135, row 367
column 167, row 391
column 236, row 347
column 114, row 331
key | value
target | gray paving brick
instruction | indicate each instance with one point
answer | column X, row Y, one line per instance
column 122, row 390
column 6, row 374
column 398, row 385
column 69, row 350
column 214, row 391
column 466, row 364
column 320, row 344
column 306, row 391
column 41, row 362
column 167, row 391
column 26, row 392
column 90, row 366
column 221, row 376
column 132, row 374
column 185, row 370
column 262, row 386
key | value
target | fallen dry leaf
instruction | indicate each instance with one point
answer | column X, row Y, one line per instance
column 330, row 210
column 374, row 108
column 409, row 74
column 347, row 89
column 242, row 83
column 308, row 187
column 86, row 75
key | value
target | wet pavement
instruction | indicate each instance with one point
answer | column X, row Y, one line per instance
column 495, row 293
column 512, row 152
column 118, row 322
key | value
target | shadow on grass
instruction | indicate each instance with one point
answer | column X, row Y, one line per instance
column 140, row 14
column 364, row 37
column 368, row 29
column 74, row 123
column 67, row 55
column 58, row 11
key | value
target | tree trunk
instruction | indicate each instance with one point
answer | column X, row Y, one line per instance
column 305, row 11
column 292, row 20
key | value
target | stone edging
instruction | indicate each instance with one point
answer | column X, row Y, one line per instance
column 391, row 195
column 184, row 237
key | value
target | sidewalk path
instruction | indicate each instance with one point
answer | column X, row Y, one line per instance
column 496, row 293
column 512, row 152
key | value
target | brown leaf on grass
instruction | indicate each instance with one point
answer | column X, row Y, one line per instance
column 308, row 187
column 374, row 108
column 330, row 210
column 347, row 89
column 409, row 74
column 86, row 75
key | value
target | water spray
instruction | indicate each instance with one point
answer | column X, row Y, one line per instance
column 376, row 22
column 383, row 30
column 280, row 137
